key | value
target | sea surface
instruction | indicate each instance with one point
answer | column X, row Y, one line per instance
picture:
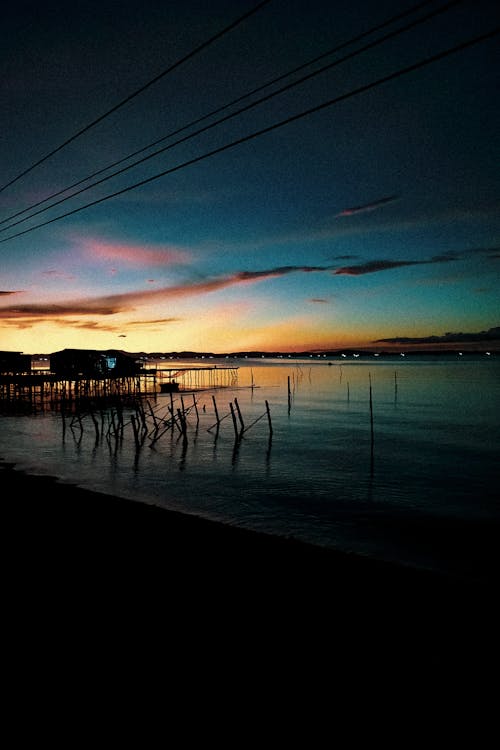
column 391, row 457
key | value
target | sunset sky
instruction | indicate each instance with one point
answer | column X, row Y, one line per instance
column 372, row 220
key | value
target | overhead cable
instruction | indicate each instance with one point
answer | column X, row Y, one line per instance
column 287, row 87
column 216, row 111
column 293, row 118
column 140, row 90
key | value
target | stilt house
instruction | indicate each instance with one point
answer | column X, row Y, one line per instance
column 91, row 363
column 15, row 363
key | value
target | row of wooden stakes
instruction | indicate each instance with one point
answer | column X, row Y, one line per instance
column 146, row 422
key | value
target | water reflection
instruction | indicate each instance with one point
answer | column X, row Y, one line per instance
column 318, row 450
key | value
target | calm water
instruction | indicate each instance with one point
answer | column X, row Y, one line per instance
column 432, row 481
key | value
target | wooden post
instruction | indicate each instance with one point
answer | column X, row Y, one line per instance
column 182, row 420
column 234, row 419
column 216, row 412
column 155, row 420
column 239, row 413
column 269, row 419
column 96, row 425
column 136, row 431
column 371, row 418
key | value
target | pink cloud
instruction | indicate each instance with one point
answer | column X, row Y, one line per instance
column 137, row 255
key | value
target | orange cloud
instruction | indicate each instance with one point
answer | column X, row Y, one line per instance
column 117, row 303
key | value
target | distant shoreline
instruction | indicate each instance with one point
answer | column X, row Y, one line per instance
column 494, row 351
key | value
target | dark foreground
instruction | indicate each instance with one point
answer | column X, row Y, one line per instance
column 108, row 600
column 65, row 538
column 90, row 579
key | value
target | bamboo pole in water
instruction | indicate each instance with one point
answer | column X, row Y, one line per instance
column 269, row 418
column 182, row 420
column 371, row 418
column 215, row 409
column 239, row 413
column 96, row 424
column 135, row 430
column 234, row 418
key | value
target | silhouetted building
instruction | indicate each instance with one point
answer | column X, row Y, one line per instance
column 91, row 363
column 14, row 363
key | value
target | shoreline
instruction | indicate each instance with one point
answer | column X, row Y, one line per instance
column 61, row 532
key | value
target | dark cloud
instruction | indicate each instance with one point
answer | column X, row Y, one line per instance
column 278, row 271
column 373, row 266
column 153, row 321
column 492, row 334
column 493, row 252
column 445, row 258
column 368, row 206
column 17, row 291
column 451, row 255
column 84, row 307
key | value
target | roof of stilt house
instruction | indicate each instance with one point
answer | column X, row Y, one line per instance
column 97, row 361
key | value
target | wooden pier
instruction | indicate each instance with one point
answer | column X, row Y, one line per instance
column 37, row 391
column 41, row 390
column 195, row 378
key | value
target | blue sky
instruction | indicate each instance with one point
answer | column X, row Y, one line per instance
column 372, row 220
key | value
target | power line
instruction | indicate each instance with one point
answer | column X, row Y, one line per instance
column 275, row 126
column 131, row 96
column 256, row 90
column 370, row 45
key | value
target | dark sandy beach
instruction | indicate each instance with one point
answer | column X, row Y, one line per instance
column 96, row 583
column 61, row 535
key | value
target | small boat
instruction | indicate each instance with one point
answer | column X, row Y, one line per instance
column 171, row 387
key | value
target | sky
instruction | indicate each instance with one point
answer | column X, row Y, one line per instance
column 359, row 208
